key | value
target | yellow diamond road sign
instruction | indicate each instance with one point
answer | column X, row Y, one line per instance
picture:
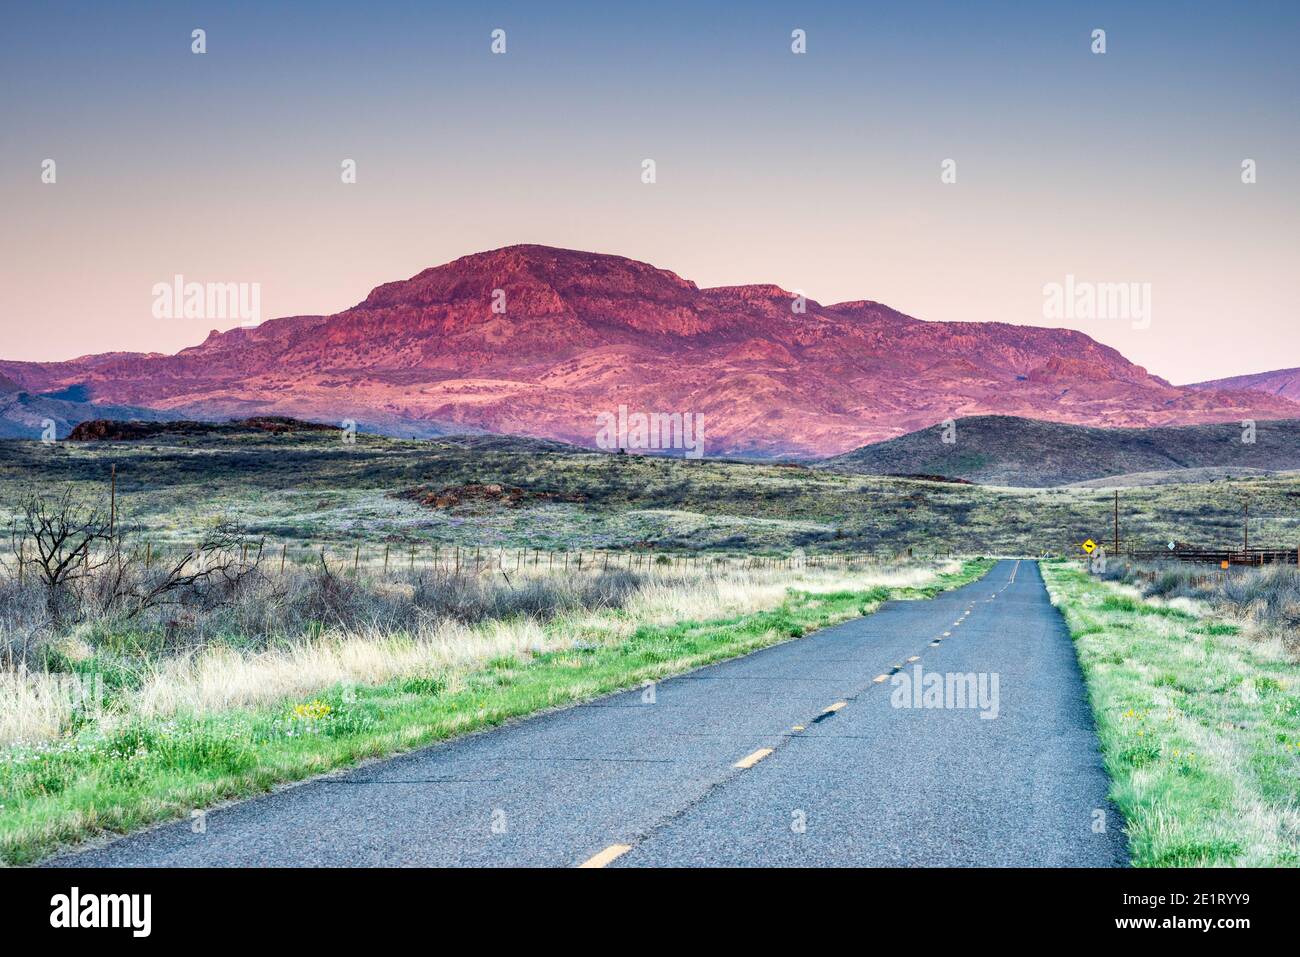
column 1089, row 545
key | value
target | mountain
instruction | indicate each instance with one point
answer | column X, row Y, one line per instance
column 1003, row 450
column 1281, row 382
column 583, row 333
column 23, row 415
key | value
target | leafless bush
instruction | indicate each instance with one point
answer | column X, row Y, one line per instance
column 1267, row 597
column 302, row 601
column 60, row 540
column 24, row 623
column 207, row 596
column 73, row 564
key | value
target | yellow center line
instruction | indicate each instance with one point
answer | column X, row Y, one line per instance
column 608, row 854
column 615, row 851
column 752, row 759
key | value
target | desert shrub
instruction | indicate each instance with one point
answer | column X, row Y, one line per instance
column 264, row 608
column 1267, row 597
column 24, row 622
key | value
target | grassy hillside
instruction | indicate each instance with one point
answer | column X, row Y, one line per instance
column 1005, row 450
column 311, row 490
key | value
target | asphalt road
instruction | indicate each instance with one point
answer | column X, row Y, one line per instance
column 687, row 778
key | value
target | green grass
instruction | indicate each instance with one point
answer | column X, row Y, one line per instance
column 94, row 783
column 1199, row 727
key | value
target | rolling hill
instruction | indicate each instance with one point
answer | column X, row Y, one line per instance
column 1280, row 382
column 23, row 415
column 1005, row 450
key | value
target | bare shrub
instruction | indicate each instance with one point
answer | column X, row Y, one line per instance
column 71, row 559
column 1267, row 598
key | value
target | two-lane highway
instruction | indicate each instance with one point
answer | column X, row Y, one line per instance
column 803, row 754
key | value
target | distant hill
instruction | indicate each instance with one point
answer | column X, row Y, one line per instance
column 1006, row 450
column 1210, row 473
column 23, row 415
column 1280, row 382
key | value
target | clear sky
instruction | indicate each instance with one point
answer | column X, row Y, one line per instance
column 819, row 172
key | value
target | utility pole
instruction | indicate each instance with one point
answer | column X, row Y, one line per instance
column 1245, row 528
column 1116, row 551
column 112, row 500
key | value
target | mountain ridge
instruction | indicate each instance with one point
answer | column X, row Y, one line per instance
column 1279, row 382
column 535, row 340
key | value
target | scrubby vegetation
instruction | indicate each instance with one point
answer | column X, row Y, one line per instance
column 1264, row 600
column 1198, row 714
column 116, row 711
column 313, row 489
column 264, row 606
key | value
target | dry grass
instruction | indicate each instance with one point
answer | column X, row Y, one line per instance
column 380, row 631
column 1266, row 601
column 1197, row 720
